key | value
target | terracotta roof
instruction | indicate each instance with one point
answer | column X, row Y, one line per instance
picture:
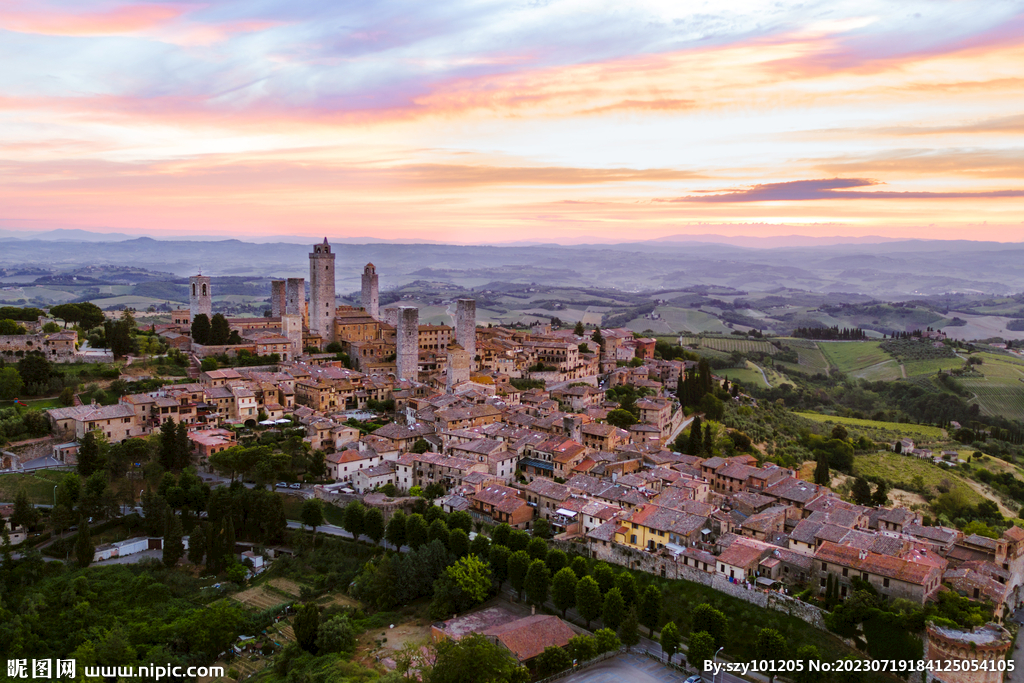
column 528, row 637
column 874, row 563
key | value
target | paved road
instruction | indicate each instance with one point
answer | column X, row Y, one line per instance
column 676, row 432
column 630, row 667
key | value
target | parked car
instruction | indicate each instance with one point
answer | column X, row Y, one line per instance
column 296, row 485
column 695, row 679
column 282, row 484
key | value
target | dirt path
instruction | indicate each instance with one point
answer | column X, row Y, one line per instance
column 991, row 494
column 903, row 370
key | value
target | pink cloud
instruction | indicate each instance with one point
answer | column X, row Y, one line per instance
column 119, row 20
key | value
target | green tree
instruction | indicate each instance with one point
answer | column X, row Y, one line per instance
column 500, row 534
column 415, row 531
column 481, row 546
column 606, row 640
column 373, row 524
column 770, row 644
column 395, row 533
column 582, row 648
column 556, row 560
column 89, row 459
column 620, row 418
column 649, row 610
column 537, row 549
column 35, row 369
column 336, row 635
column 822, row 476
column 542, row 528
column 438, row 531
column 518, row 540
column 538, row 581
column 460, row 519
column 588, row 598
column 518, row 566
column 220, row 331
column 629, row 629
column 710, row 620
column 806, row 654
column 462, row 585
column 861, row 491
column 850, row 674
column 201, row 329
column 579, row 566
column 604, row 576
column 312, row 513
column 670, row 640
column 614, row 609
column 197, row 545
column 353, row 518
column 701, row 649
column 579, row 330
column 458, row 543
column 182, row 447
column 498, row 559
column 173, row 546
column 553, row 660
column 66, row 398
column 24, row 513
column 84, row 548
column 11, row 383
column 306, row 625
column 695, row 446
column 627, row 588
column 563, row 590
column 474, row 659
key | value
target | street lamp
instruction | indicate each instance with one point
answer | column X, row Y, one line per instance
column 55, row 495
column 716, row 664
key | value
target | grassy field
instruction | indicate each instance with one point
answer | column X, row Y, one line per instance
column 34, row 403
column 293, row 510
column 1001, row 390
column 812, row 360
column 901, row 470
column 747, row 377
column 916, row 368
column 851, row 357
column 38, row 485
column 730, row 343
column 881, row 431
column 690, row 320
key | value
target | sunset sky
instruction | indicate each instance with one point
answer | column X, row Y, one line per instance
column 480, row 121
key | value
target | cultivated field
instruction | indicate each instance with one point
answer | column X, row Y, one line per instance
column 1001, row 390
column 812, row 360
column 901, row 470
column 728, row 344
column 690, row 320
column 747, row 377
column 881, row 431
column 851, row 357
column 39, row 485
column 916, row 368
column 274, row 592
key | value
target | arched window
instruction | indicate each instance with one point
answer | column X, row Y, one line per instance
column 193, row 289
column 204, row 289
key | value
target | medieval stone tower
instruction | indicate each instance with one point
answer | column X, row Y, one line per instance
column 291, row 327
column 465, row 327
column 200, row 297
column 321, row 292
column 371, row 291
column 277, row 298
column 458, row 367
column 295, row 296
column 408, row 342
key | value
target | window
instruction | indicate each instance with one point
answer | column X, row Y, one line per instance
column 824, row 566
column 632, row 539
column 846, row 572
column 864, row 576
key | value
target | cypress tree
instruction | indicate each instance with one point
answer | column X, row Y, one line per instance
column 84, row 548
column 182, row 447
column 709, row 439
column 173, row 547
column 694, row 446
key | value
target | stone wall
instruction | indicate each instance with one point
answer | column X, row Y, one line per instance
column 672, row 568
column 295, row 296
column 13, row 347
column 277, row 298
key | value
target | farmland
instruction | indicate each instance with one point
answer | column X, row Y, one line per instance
column 852, row 357
column 747, row 377
column 811, row 359
column 730, row 344
column 901, row 470
column 931, row 366
column 881, row 431
column 1001, row 390
column 38, row 485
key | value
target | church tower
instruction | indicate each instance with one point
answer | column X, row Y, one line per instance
column 200, row 297
column 371, row 291
column 321, row 292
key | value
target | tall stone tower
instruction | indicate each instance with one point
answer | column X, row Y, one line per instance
column 200, row 297
column 458, row 367
column 408, row 342
column 321, row 292
column 371, row 291
column 277, row 298
column 291, row 327
column 465, row 327
column 295, row 296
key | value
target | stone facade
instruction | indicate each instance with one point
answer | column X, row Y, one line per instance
column 58, row 347
column 458, row 367
column 321, row 291
column 371, row 291
column 200, row 297
column 291, row 328
column 465, row 326
column 277, row 298
column 986, row 645
column 407, row 352
column 295, row 296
